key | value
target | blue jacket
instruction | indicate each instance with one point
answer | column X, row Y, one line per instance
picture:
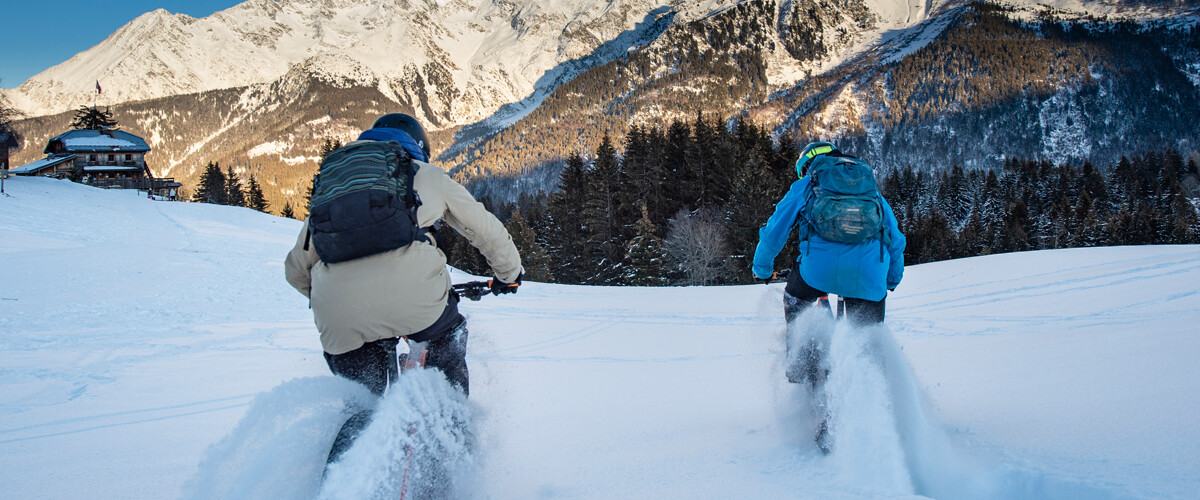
column 855, row 271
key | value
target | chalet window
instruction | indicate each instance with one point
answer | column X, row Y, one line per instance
column 112, row 157
column 128, row 157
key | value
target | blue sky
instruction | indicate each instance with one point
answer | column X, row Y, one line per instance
column 38, row 34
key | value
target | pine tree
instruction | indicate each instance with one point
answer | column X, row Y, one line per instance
column 751, row 203
column 642, row 170
column 952, row 194
column 1123, row 180
column 644, row 255
column 1015, row 235
column 1090, row 233
column 93, row 119
column 783, row 164
column 936, row 240
column 329, row 146
column 533, row 257
column 657, row 201
column 565, row 226
column 233, row 185
column 601, row 215
column 254, row 196
column 1093, row 183
column 308, row 194
column 212, row 186
column 1061, row 220
column 992, row 211
column 678, row 191
column 701, row 161
column 971, row 239
column 287, row 210
column 1182, row 218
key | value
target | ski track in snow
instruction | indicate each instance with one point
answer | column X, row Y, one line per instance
column 207, row 380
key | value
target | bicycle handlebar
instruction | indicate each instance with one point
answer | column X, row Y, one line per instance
column 473, row 290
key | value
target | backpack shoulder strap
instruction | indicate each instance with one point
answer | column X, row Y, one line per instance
column 803, row 222
column 408, row 168
column 412, row 200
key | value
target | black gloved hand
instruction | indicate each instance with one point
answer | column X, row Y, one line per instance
column 498, row 287
column 768, row 279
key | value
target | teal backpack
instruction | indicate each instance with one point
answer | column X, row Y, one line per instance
column 842, row 202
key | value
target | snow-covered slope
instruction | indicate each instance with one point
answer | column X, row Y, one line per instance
column 152, row 350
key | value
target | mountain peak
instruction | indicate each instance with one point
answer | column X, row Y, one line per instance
column 494, row 51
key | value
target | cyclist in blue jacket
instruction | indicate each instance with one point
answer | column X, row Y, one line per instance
column 861, row 273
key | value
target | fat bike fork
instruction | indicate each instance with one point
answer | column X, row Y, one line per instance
column 806, row 369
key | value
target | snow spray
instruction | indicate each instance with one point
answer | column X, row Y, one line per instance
column 417, row 445
column 278, row 449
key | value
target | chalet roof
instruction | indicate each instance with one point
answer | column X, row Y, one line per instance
column 44, row 163
column 99, row 140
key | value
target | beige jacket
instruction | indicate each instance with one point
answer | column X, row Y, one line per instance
column 402, row 291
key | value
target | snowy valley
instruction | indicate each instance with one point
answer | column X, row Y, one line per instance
column 153, row 350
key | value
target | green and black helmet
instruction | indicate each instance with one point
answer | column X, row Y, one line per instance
column 811, row 151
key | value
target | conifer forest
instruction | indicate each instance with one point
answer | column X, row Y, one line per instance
column 682, row 205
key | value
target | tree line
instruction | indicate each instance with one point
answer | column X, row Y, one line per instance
column 683, row 206
column 226, row 188
column 1035, row 205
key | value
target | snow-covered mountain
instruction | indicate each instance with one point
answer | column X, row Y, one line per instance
column 476, row 55
column 276, row 78
column 153, row 350
column 460, row 59
column 510, row 87
column 479, row 54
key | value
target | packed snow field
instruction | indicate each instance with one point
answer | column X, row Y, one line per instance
column 153, row 350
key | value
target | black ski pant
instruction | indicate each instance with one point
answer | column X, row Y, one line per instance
column 799, row 296
column 375, row 363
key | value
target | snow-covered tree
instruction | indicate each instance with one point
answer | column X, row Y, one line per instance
column 564, row 224
column 644, row 255
column 533, row 257
column 602, row 216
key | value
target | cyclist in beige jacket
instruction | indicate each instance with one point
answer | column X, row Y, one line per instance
column 362, row 306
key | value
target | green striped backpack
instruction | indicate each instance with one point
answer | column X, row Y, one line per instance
column 363, row 202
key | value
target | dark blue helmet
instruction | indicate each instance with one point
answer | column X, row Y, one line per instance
column 408, row 124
